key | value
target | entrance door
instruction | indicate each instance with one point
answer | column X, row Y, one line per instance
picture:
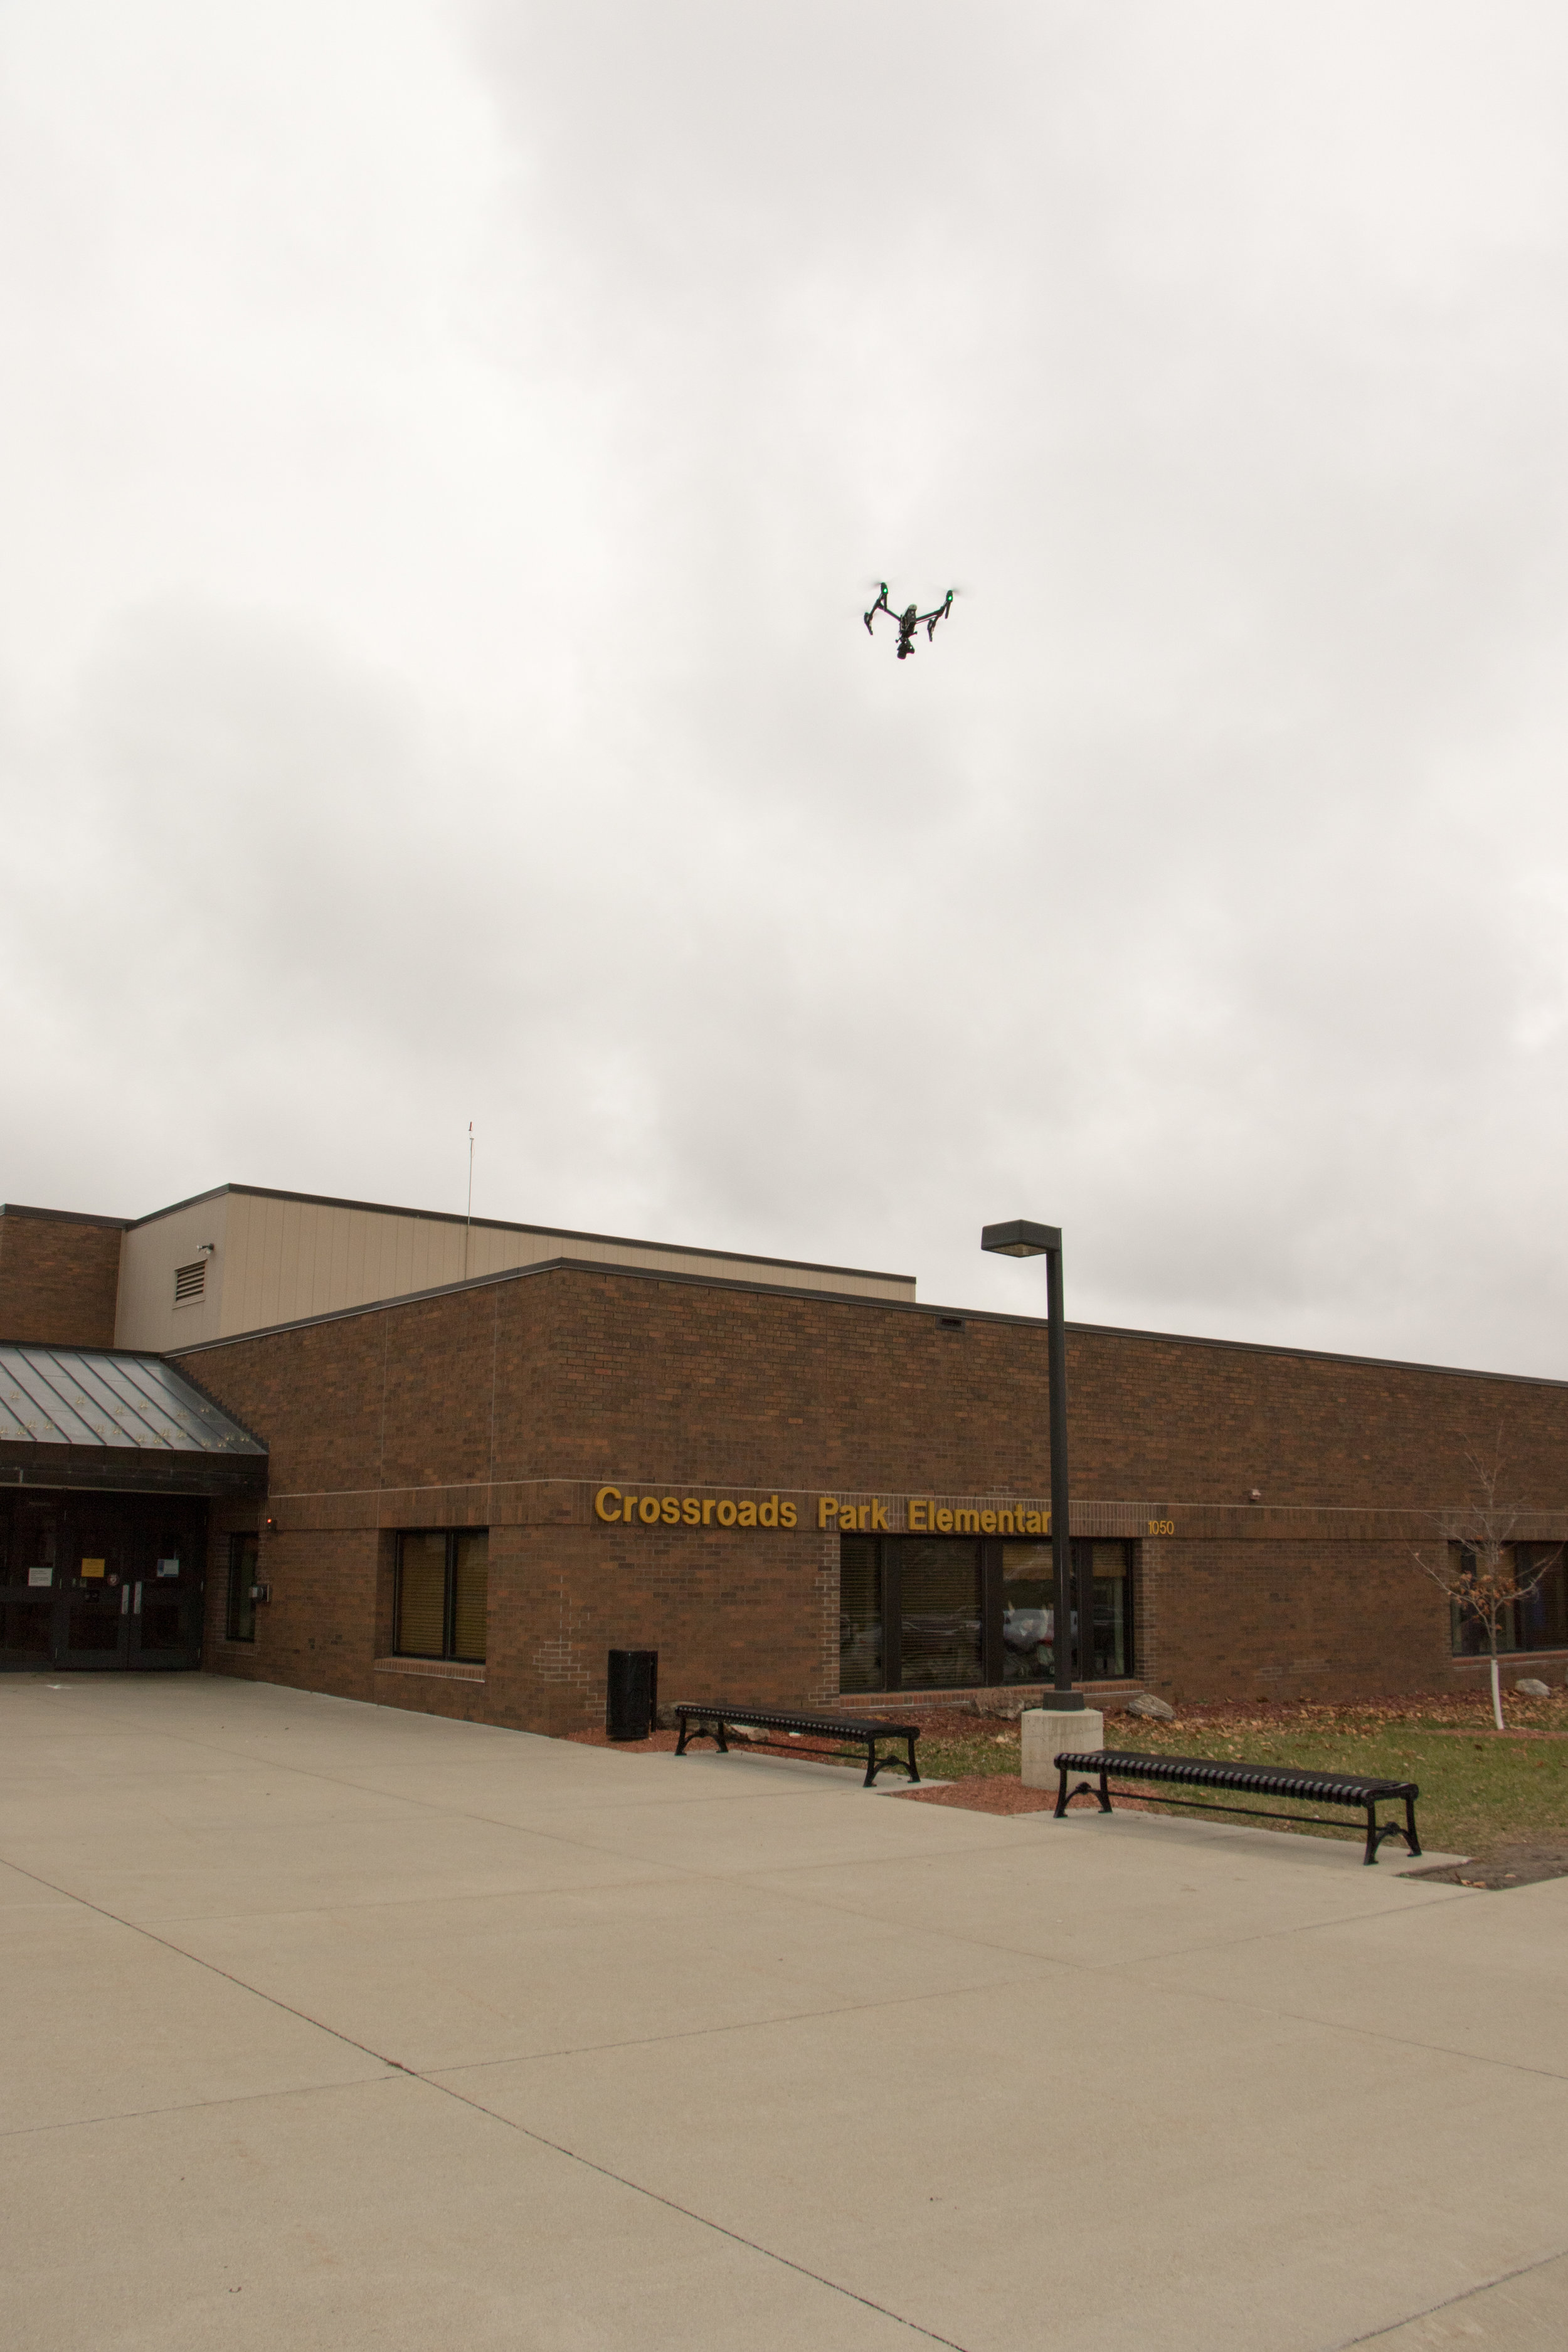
column 91, row 1582
column 28, row 1593
column 163, row 1611
column 91, row 1629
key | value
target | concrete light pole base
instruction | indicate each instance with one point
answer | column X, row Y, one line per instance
column 1049, row 1732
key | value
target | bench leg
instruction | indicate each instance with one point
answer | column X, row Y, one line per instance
column 700, row 1730
column 1084, row 1788
column 874, row 1763
column 1377, row 1831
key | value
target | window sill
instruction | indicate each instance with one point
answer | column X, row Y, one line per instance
column 1482, row 1659
column 445, row 1670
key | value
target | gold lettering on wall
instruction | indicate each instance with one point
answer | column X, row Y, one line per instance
column 923, row 1514
column 614, row 1508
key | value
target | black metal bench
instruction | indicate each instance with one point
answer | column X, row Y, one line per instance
column 865, row 1730
column 1347, row 1789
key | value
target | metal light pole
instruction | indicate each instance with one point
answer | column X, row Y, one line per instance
column 1021, row 1239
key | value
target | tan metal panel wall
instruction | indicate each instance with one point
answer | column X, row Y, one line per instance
column 294, row 1258
column 287, row 1259
column 278, row 1261
column 146, row 1314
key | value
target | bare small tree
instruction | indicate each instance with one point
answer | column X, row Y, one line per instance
column 1478, row 1565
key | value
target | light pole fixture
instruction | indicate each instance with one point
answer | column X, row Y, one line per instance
column 1021, row 1239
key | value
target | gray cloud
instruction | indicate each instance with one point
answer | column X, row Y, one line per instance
column 448, row 451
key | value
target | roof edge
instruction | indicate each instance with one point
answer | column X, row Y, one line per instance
column 64, row 1216
column 163, row 1364
column 781, row 1290
column 849, row 1299
column 518, row 1225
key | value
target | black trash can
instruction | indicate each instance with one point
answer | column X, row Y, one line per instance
column 631, row 1699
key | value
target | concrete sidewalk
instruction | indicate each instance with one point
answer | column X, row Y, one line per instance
column 332, row 2026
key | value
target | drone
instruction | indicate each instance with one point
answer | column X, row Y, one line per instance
column 908, row 620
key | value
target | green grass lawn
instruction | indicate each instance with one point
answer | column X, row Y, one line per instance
column 1478, row 1793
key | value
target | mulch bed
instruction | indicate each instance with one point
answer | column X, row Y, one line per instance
column 986, row 1792
column 1522, row 1862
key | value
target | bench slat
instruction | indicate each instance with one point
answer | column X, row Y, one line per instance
column 701, row 1721
column 1216, row 1772
column 1348, row 1789
column 770, row 1719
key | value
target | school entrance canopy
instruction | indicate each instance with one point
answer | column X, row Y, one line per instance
column 104, row 1418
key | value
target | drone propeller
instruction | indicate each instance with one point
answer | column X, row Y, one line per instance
column 910, row 619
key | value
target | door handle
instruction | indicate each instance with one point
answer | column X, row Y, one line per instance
column 137, row 1604
column 125, row 1600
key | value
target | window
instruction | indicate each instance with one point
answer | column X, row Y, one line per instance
column 244, row 1557
column 942, row 1619
column 1028, row 1611
column 1537, row 1621
column 1113, row 1660
column 860, row 1614
column 442, row 1581
column 1541, row 1619
column 939, row 1613
column 190, row 1283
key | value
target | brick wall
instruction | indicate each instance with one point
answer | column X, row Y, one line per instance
column 508, row 1404
column 59, row 1276
column 1270, row 1617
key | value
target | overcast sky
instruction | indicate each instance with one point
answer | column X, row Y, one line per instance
column 445, row 453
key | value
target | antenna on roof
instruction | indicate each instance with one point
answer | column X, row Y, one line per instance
column 469, row 1218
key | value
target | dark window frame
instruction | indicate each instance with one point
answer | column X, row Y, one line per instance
column 448, row 1654
column 239, row 1600
column 889, row 1585
column 1468, row 1627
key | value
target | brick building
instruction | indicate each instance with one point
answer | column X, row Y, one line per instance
column 449, row 1465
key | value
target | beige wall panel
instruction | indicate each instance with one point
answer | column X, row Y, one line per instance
column 280, row 1261
column 145, row 1314
column 265, row 1272
column 240, row 1288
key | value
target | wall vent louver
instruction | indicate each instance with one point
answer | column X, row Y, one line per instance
column 190, row 1283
